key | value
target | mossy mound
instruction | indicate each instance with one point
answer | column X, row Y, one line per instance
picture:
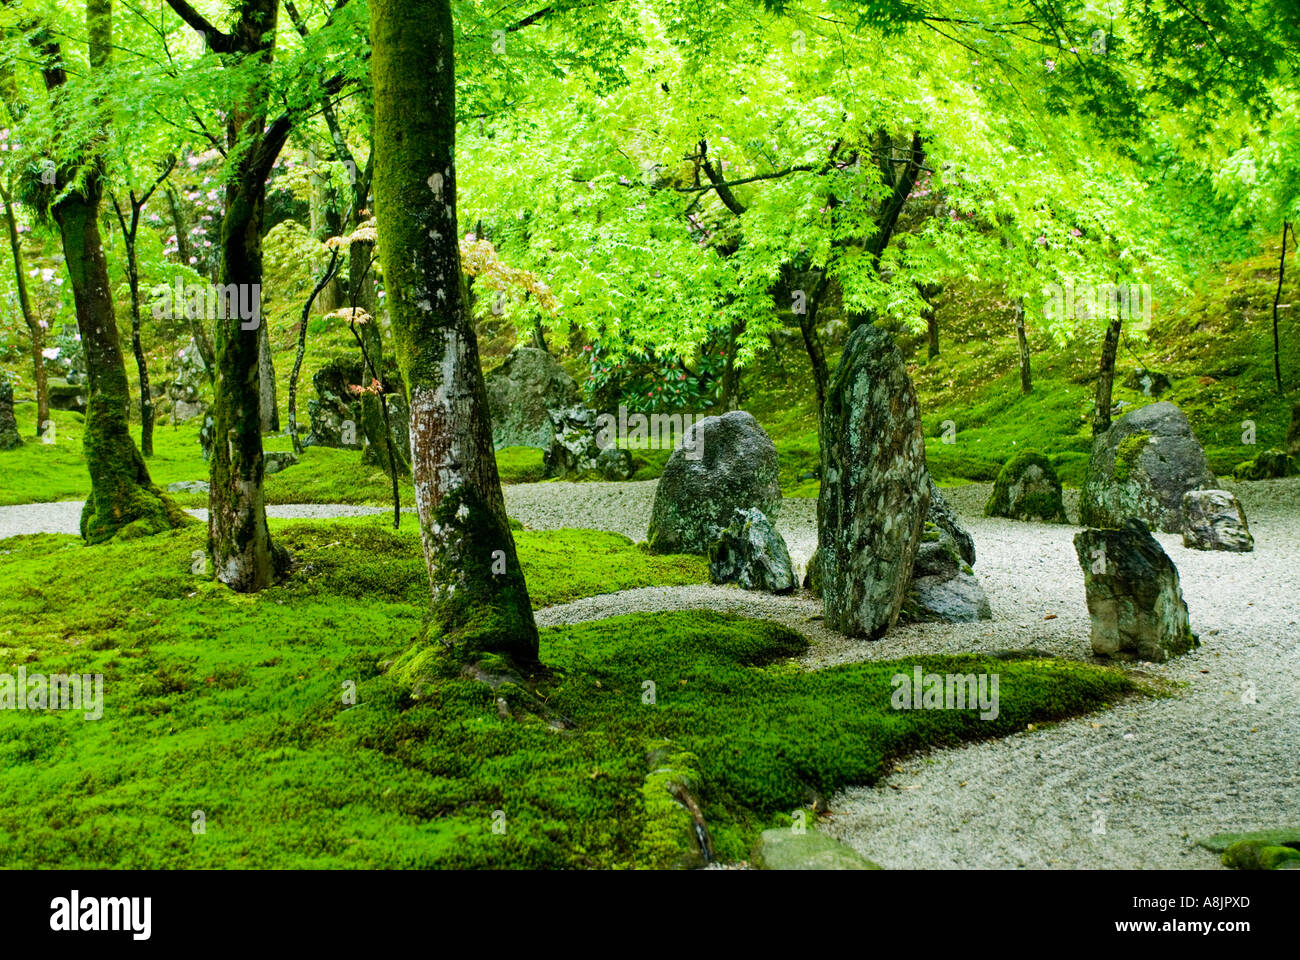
column 1269, row 465
column 1027, row 488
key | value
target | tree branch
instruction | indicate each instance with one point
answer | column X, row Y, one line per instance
column 216, row 40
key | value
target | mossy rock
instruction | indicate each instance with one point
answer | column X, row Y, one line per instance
column 1027, row 488
column 1269, row 465
column 1278, row 837
column 1251, row 855
column 782, row 849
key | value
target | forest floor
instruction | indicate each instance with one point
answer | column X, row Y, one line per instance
column 1133, row 786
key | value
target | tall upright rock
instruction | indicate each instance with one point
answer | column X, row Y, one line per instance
column 874, row 492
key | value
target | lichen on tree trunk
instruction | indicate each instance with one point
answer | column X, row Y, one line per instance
column 480, row 601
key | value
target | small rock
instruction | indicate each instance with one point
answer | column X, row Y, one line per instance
column 752, row 553
column 1214, row 520
column 275, row 462
column 1027, row 488
column 188, row 486
column 782, row 849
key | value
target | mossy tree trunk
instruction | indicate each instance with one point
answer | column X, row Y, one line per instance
column 238, row 539
column 123, row 500
column 34, row 323
column 480, row 602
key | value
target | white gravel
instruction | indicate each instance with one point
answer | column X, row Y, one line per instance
column 1130, row 787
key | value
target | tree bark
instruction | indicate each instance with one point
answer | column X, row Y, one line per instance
column 123, row 499
column 267, row 407
column 1106, row 378
column 33, row 322
column 480, row 601
column 1022, row 343
column 731, row 372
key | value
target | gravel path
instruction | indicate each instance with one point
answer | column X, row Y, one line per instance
column 1130, row 787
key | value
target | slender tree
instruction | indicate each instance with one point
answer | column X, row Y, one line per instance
column 123, row 499
column 34, row 323
column 479, row 598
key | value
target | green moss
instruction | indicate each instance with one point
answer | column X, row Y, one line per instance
column 1127, row 453
column 1253, row 855
column 520, row 465
column 1280, row 837
column 276, row 714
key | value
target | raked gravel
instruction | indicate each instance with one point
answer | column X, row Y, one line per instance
column 1132, row 786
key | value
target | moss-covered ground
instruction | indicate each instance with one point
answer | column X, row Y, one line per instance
column 239, row 706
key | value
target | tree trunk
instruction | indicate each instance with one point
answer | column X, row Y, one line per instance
column 1281, row 274
column 813, row 344
column 932, row 334
column 1022, row 342
column 238, row 538
column 33, row 322
column 480, row 601
column 137, row 348
column 731, row 373
column 1106, row 378
column 123, row 499
column 325, row 223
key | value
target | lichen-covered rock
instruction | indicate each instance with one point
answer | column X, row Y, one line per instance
column 1214, row 520
column 750, row 552
column 9, row 437
column 1141, row 467
column 1268, row 465
column 781, row 848
column 1027, row 488
column 522, row 393
column 1150, row 382
column 874, row 492
column 695, row 498
column 945, row 518
column 575, row 454
column 335, row 411
column 1135, row 602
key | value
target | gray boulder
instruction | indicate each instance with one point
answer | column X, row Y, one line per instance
column 874, row 492
column 1141, row 467
column 186, row 389
column 696, row 498
column 943, row 589
column 188, row 486
column 522, row 393
column 752, row 553
column 1135, row 602
column 9, row 437
column 945, row 518
column 1214, row 520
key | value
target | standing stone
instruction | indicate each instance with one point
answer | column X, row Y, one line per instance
column 9, row 437
column 186, row 389
column 752, row 553
column 696, row 498
column 1141, row 467
column 1027, row 488
column 1134, row 598
column 1214, row 520
column 874, row 494
column 522, row 393
column 335, row 410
